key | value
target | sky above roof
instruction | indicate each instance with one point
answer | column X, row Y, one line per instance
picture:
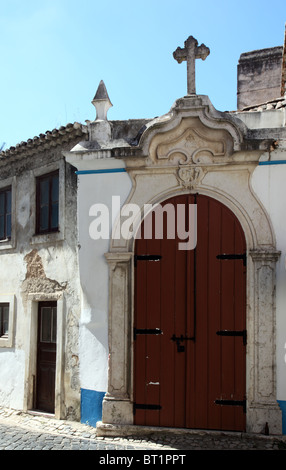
column 54, row 53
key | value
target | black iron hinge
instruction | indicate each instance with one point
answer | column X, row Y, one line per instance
column 233, row 257
column 242, row 333
column 232, row 403
column 147, row 331
column 146, row 258
column 141, row 406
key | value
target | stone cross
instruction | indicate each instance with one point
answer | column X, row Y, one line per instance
column 190, row 53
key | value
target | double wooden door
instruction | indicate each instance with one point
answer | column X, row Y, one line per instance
column 190, row 323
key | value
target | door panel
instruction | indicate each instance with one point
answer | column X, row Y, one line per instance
column 199, row 381
column 46, row 362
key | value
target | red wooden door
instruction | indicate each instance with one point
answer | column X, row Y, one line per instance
column 189, row 324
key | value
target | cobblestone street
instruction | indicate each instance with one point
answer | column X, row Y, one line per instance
column 20, row 431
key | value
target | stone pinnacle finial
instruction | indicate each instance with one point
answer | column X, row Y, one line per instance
column 190, row 53
column 101, row 102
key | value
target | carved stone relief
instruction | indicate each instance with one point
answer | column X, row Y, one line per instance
column 191, row 143
column 191, row 147
column 190, row 177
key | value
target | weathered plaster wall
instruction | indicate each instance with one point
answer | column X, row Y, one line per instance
column 259, row 76
column 35, row 268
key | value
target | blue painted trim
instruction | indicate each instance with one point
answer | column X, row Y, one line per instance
column 110, row 170
column 282, row 404
column 273, row 162
column 91, row 406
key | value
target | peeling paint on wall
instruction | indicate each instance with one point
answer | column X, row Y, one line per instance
column 36, row 279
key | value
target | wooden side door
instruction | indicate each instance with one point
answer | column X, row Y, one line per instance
column 46, row 358
column 189, row 335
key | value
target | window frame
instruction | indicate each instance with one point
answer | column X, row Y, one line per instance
column 4, row 191
column 51, row 237
column 6, row 341
column 39, row 179
column 2, row 307
column 52, row 305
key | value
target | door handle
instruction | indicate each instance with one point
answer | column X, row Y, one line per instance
column 180, row 339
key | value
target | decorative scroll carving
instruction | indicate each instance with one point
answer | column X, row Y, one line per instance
column 193, row 147
column 191, row 143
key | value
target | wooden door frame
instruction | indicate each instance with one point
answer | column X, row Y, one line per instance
column 31, row 351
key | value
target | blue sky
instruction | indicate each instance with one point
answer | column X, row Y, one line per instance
column 55, row 52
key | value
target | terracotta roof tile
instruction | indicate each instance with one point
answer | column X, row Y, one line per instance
column 268, row 105
column 43, row 141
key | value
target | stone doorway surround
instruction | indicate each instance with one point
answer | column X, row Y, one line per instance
column 195, row 148
column 31, row 352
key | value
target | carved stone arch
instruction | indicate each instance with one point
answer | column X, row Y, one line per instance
column 261, row 378
column 162, row 172
column 200, row 110
column 250, row 230
column 251, row 215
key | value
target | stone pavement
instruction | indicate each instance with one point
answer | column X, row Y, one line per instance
column 25, row 431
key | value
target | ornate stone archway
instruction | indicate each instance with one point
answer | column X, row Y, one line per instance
column 196, row 149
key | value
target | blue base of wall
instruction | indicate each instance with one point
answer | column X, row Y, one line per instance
column 91, row 406
column 282, row 404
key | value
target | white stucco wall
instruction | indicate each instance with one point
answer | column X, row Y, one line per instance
column 96, row 189
column 264, row 120
column 12, row 385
